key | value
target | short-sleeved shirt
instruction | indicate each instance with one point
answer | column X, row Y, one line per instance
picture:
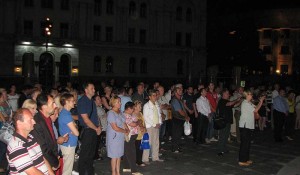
column 189, row 100
column 225, row 111
column 177, row 105
column 129, row 119
column 24, row 153
column 247, row 115
column 64, row 119
column 87, row 106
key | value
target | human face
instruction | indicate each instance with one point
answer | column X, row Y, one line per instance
column 226, row 95
column 140, row 89
column 179, row 91
column 90, row 90
column 33, row 110
column 211, row 86
column 203, row 93
column 4, row 96
column 249, row 96
column 70, row 102
column 50, row 107
column 161, row 91
column 153, row 97
column 13, row 88
column 117, row 104
column 98, row 101
column 138, row 108
column 28, row 121
column 129, row 110
column 190, row 90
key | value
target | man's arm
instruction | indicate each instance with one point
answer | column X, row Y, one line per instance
column 90, row 124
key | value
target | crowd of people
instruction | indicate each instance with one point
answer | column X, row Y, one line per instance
column 53, row 127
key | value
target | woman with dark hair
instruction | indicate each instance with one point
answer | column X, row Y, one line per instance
column 129, row 146
column 67, row 127
column 106, row 98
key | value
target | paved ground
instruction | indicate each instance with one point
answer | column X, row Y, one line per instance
column 269, row 158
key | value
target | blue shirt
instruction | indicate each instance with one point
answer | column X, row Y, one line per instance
column 124, row 100
column 280, row 104
column 87, row 106
column 64, row 118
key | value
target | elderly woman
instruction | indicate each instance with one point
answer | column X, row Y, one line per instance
column 141, row 130
column 129, row 146
column 116, row 129
column 246, row 126
column 31, row 105
column 67, row 127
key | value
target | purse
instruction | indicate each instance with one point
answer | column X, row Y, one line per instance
column 145, row 142
column 6, row 132
column 187, row 128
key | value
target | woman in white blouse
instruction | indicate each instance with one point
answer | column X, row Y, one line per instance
column 246, row 125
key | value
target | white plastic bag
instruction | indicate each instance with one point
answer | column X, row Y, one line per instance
column 187, row 128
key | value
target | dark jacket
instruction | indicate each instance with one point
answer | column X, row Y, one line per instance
column 44, row 139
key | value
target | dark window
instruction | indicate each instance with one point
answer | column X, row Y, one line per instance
column 267, row 49
column 47, row 4
column 179, row 67
column 132, row 65
column 97, row 32
column 64, row 30
column 284, row 69
column 142, row 36
column 131, row 35
column 64, row 5
column 178, row 38
column 144, row 65
column 28, row 28
column 97, row 64
column 110, row 7
column 189, row 15
column 64, row 68
column 132, row 8
column 286, row 33
column 109, row 64
column 143, row 10
column 28, row 3
column 267, row 33
column 179, row 13
column 285, row 50
column 98, row 7
column 188, row 39
column 109, row 34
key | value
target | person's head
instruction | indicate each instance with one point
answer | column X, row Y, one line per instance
column 108, row 90
column 203, row 92
column 276, row 86
column 291, row 94
column 46, row 104
column 115, row 102
column 140, row 88
column 121, row 91
column 74, row 92
column 240, row 90
column 3, row 94
column 129, row 107
column 137, row 106
column 190, row 89
column 38, row 86
column 54, row 92
column 161, row 90
column 30, row 105
column 247, row 94
column 152, row 95
column 156, row 85
column 178, row 91
column 225, row 94
column 35, row 93
column 12, row 88
column 211, row 86
column 67, row 100
column 129, row 91
column 89, row 89
column 97, row 100
column 23, row 121
column 282, row 92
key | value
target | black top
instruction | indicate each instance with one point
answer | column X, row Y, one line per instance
column 225, row 111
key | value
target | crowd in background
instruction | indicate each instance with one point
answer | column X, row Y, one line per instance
column 91, row 122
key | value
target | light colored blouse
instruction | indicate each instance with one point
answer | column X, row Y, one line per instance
column 247, row 115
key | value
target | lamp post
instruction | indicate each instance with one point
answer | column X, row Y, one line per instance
column 48, row 31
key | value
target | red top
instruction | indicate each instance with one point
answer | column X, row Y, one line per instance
column 212, row 98
column 49, row 125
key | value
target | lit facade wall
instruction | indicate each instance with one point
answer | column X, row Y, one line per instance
column 110, row 38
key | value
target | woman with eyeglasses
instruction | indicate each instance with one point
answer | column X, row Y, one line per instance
column 247, row 125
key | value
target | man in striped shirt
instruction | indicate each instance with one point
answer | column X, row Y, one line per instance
column 23, row 152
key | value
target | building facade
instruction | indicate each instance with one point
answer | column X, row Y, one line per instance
column 96, row 39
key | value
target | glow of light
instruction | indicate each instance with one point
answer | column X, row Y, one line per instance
column 278, row 71
column 48, row 33
column 75, row 70
column 18, row 69
column 47, row 29
column 49, row 44
column 26, row 43
column 68, row 45
column 48, row 19
column 232, row 32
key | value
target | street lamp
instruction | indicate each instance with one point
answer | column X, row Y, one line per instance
column 48, row 30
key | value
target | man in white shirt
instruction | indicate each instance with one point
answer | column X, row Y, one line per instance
column 204, row 110
column 152, row 116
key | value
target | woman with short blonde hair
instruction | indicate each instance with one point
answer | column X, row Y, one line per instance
column 31, row 105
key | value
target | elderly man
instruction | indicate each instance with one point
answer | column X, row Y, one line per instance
column 23, row 152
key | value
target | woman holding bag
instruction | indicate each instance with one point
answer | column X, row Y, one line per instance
column 246, row 126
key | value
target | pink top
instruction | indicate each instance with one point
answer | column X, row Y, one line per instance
column 129, row 119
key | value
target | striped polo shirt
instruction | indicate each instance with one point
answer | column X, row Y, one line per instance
column 24, row 153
